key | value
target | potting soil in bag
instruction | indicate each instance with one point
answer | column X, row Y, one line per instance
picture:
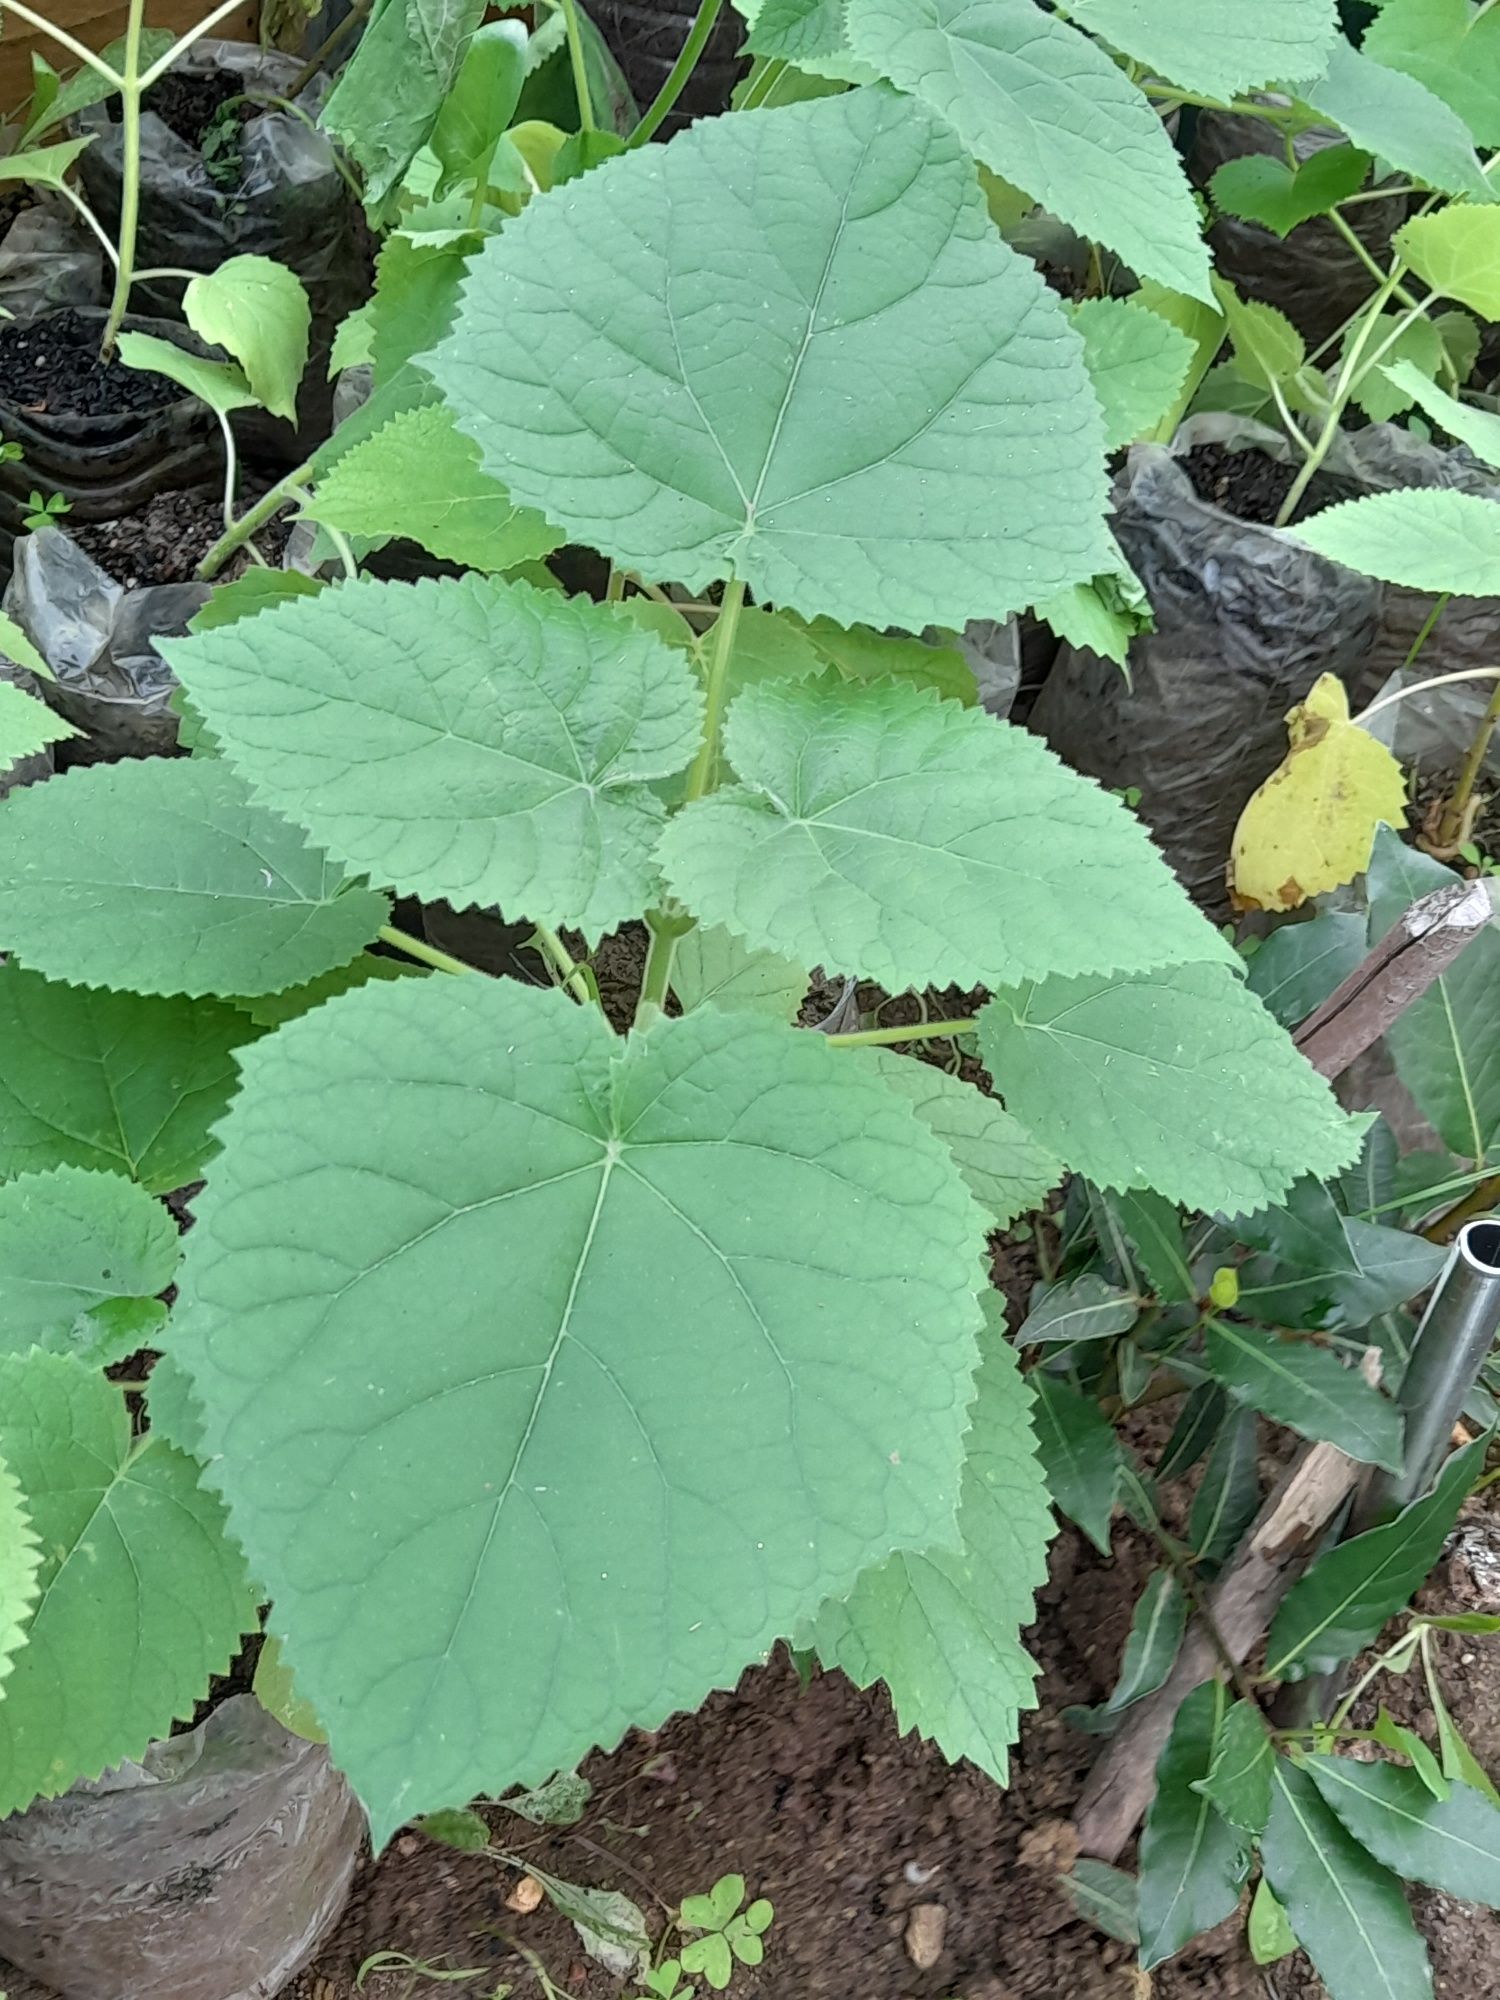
column 1311, row 274
column 1246, row 620
column 98, row 639
column 48, row 259
column 211, row 1870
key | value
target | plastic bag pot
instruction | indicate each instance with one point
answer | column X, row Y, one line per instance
column 646, row 37
column 1246, row 621
column 210, row 1871
column 99, row 640
column 48, row 259
column 109, row 465
column 1311, row 275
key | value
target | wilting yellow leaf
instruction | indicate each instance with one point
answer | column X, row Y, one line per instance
column 1312, row 824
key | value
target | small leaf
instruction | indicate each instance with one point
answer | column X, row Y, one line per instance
column 117, row 1081
column 1346, row 1911
column 259, row 311
column 1228, row 1496
column 711, row 1956
column 915, row 842
column 1155, row 1233
column 420, row 478
column 1080, row 1454
column 71, row 1243
column 1311, row 826
column 480, row 104
column 141, row 1596
column 1340, row 1603
column 160, row 876
column 1192, row 1864
column 44, row 166
column 1457, row 250
column 344, row 711
column 1195, row 1430
column 26, row 726
column 390, row 91
column 1427, row 538
column 1137, row 362
column 610, row 1926
column 1299, row 965
column 1267, row 347
column 1156, row 1628
column 1213, row 45
column 1459, row 1764
column 1415, row 344
column 1006, row 1170
column 1082, row 1308
column 1044, row 107
column 218, row 383
column 1238, row 1780
column 1406, row 1743
column 1261, row 188
column 455, row 1826
column 1176, row 1080
column 1307, row 1388
column 560, row 1802
column 712, row 965
column 1106, row 1896
column 1267, row 1931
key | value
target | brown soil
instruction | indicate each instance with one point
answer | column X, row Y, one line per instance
column 52, row 364
column 1252, row 487
column 164, row 541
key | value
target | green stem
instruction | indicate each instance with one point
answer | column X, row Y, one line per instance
column 580, row 68
column 229, row 468
column 1421, row 687
column 86, row 214
column 721, row 648
column 1365, row 258
column 657, row 977
column 914, row 1031
column 1349, row 375
column 253, row 519
column 569, row 972
column 681, row 70
column 131, row 88
column 420, row 949
column 1429, row 626
column 1451, row 822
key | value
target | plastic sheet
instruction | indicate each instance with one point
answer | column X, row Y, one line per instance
column 48, row 259
column 1311, row 275
column 1246, row 620
column 647, row 36
column 209, row 1871
column 99, row 640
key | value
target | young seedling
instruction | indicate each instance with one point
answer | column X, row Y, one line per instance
column 45, row 511
column 731, row 1931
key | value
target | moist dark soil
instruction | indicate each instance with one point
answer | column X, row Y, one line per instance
column 164, row 541
column 52, row 365
column 189, row 101
column 1252, row 487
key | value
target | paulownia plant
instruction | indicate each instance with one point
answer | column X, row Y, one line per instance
column 549, row 1374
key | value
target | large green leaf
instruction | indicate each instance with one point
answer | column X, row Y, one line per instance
column 1080, row 1454
column 940, row 1629
column 1307, row 1388
column 1450, row 46
column 1398, row 118
column 1446, row 1045
column 1321, row 1270
column 1457, row 250
column 1046, row 109
column 1192, row 1863
column 642, row 1270
column 391, row 89
column 1177, row 1080
column 1137, row 362
column 479, row 741
column 1007, row 1171
column 1451, row 1843
column 420, row 478
column 1425, row 537
column 258, row 310
column 159, row 875
column 1347, row 1911
column 78, row 1251
column 909, row 840
column 910, row 384
column 1219, row 47
column 1342, row 1601
column 141, row 1598
column 114, row 1080
column 20, row 1560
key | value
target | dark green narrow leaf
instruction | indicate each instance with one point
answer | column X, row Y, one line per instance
column 1156, row 1629
column 1348, row 1913
column 1193, row 1863
column 1459, row 1763
column 1225, row 1503
column 1299, row 965
column 1154, row 1229
column 1080, row 1455
column 1346, row 1596
column 1307, row 1388
column 1239, row 1778
column 1406, row 1743
column 1451, row 1843
column 1106, row 1897
column 1083, row 1308
column 1194, row 1431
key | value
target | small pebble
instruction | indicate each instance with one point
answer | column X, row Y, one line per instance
column 524, row 1898
column 924, row 1935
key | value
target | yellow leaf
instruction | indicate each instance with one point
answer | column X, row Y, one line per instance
column 1312, row 824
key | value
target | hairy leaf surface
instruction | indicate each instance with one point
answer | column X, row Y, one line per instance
column 77, row 1249
column 1423, row 537
column 1397, row 117
column 1008, row 1172
column 629, row 1449
column 910, row 386
column 1137, row 362
column 1216, row 46
column 915, row 842
column 475, row 740
column 20, row 1560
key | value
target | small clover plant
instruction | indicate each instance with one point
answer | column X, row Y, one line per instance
column 731, row 1930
